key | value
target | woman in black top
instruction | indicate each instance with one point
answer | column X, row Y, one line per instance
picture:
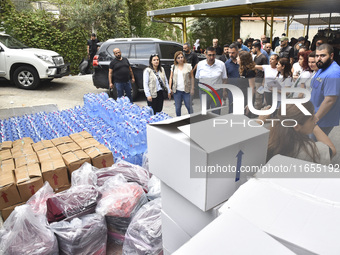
column 247, row 76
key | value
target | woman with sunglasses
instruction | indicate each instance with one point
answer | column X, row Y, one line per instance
column 293, row 139
column 155, row 84
column 181, row 82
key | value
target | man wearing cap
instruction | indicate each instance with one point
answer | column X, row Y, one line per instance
column 92, row 48
column 301, row 42
column 286, row 51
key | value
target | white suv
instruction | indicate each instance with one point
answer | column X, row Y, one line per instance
column 26, row 66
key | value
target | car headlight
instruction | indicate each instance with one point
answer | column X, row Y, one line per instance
column 46, row 58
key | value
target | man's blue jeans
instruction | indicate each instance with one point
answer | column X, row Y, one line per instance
column 124, row 86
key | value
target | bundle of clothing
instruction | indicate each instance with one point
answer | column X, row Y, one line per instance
column 86, row 235
column 119, row 203
column 74, row 202
column 144, row 235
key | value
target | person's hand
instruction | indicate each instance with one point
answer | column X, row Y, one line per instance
column 133, row 80
column 169, row 96
column 192, row 91
column 149, row 99
column 111, row 85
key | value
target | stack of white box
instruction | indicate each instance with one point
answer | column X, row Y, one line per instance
column 283, row 215
column 190, row 202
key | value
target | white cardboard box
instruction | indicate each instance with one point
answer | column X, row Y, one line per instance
column 184, row 213
column 180, row 148
column 302, row 223
column 232, row 234
column 305, row 182
column 172, row 234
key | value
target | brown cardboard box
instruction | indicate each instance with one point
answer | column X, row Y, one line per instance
column 74, row 160
column 67, row 147
column 48, row 154
column 9, row 194
column 5, row 154
column 44, row 144
column 63, row 188
column 6, row 145
column 80, row 136
column 55, row 172
column 6, row 212
column 22, row 142
column 100, row 156
column 26, row 160
column 61, row 140
column 19, row 151
column 87, row 143
column 29, row 180
column 7, row 165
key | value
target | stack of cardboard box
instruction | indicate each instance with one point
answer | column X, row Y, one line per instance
column 25, row 166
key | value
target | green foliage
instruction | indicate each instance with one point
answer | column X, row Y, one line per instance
column 108, row 18
column 67, row 34
column 206, row 29
column 40, row 29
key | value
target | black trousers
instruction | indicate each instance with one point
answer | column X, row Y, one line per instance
column 89, row 64
column 157, row 103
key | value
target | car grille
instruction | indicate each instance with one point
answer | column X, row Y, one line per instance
column 58, row 61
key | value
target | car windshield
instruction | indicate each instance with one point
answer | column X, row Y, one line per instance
column 11, row 42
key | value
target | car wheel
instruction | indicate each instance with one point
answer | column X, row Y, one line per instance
column 26, row 77
column 134, row 91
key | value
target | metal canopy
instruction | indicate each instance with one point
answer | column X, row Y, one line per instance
column 249, row 7
column 319, row 21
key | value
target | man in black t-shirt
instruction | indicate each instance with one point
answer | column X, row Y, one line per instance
column 286, row 51
column 260, row 59
column 92, row 48
column 190, row 56
column 120, row 72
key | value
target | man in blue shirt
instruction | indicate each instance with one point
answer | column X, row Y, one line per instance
column 232, row 72
column 326, row 89
column 243, row 47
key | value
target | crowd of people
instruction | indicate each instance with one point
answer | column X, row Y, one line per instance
column 266, row 72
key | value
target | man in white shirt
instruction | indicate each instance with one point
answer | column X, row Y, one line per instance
column 211, row 72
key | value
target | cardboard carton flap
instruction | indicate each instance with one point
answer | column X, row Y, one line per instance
column 27, row 172
column 74, row 156
column 6, row 178
column 220, row 132
column 6, row 165
column 61, row 140
column 53, row 164
column 6, row 145
column 94, row 152
column 5, row 154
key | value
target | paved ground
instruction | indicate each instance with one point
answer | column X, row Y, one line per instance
column 68, row 92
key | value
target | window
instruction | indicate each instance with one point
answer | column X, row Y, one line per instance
column 168, row 50
column 143, row 51
column 124, row 48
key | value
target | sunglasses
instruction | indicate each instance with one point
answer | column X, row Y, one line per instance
column 154, row 55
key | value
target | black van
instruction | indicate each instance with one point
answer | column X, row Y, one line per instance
column 138, row 51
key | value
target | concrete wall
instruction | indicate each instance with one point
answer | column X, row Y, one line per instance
column 255, row 29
